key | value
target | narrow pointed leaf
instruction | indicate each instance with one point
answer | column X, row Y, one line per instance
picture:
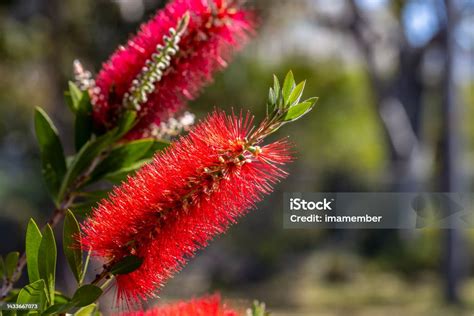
column 276, row 87
column 52, row 154
column 126, row 123
column 73, row 97
column 83, row 122
column 33, row 241
column 298, row 110
column 72, row 245
column 75, row 94
column 288, row 86
column 296, row 94
column 271, row 96
column 47, row 261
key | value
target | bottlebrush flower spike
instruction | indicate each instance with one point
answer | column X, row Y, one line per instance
column 205, row 306
column 190, row 193
column 185, row 197
column 215, row 29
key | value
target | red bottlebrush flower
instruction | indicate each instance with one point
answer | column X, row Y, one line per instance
column 215, row 29
column 186, row 196
column 204, row 306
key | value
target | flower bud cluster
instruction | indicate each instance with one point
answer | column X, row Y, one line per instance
column 82, row 77
column 171, row 128
column 152, row 72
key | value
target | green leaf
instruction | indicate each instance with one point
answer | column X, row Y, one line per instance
column 52, row 154
column 126, row 123
column 84, row 158
column 312, row 100
column 84, row 209
column 158, row 145
column 122, row 156
column 86, row 310
column 47, row 261
column 85, row 295
column 126, row 265
column 89, row 199
column 11, row 261
column 73, row 97
column 271, row 97
column 288, row 86
column 298, row 110
column 33, row 293
column 83, row 125
column 122, row 174
column 276, row 87
column 74, row 94
column 60, row 298
column 296, row 94
column 72, row 245
column 69, row 102
column 33, row 241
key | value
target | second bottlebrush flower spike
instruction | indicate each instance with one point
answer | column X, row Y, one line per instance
column 170, row 59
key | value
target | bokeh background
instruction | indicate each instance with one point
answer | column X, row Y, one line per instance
column 396, row 109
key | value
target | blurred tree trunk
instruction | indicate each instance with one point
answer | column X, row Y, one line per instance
column 398, row 100
column 450, row 175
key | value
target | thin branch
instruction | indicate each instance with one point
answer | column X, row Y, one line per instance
column 56, row 217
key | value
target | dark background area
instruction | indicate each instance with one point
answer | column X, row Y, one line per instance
column 395, row 81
